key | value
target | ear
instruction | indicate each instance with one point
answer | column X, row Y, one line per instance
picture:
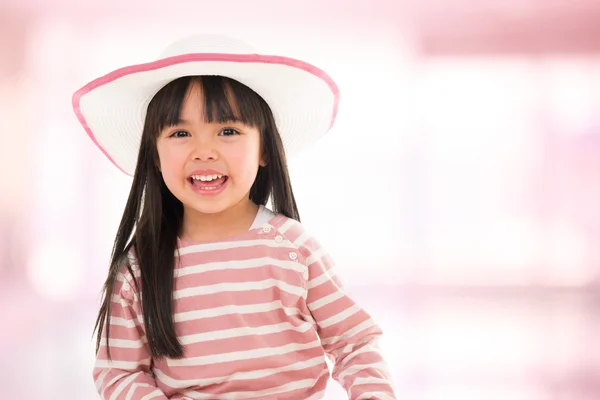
column 263, row 161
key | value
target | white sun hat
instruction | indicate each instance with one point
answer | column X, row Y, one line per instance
column 112, row 109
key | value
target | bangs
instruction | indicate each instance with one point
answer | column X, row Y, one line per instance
column 225, row 100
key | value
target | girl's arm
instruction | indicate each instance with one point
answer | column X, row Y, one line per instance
column 348, row 333
column 128, row 375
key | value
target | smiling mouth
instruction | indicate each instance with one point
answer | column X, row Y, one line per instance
column 210, row 182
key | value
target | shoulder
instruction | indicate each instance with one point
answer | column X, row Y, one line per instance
column 128, row 275
column 311, row 252
column 299, row 235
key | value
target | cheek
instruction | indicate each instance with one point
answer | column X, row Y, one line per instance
column 244, row 160
column 170, row 163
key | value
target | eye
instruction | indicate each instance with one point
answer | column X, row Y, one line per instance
column 179, row 134
column 228, row 132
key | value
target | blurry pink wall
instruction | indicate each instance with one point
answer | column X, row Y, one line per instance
column 477, row 124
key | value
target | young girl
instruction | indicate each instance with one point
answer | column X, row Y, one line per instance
column 210, row 294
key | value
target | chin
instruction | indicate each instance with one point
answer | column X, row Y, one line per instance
column 206, row 207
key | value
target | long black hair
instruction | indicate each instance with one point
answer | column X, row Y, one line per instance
column 153, row 217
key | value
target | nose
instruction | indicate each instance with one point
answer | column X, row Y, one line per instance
column 204, row 150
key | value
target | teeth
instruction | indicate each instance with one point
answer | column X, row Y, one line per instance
column 206, row 178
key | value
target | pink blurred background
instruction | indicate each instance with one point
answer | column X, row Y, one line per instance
column 459, row 191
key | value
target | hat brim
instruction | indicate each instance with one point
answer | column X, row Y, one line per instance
column 112, row 109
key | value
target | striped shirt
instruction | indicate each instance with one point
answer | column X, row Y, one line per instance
column 257, row 314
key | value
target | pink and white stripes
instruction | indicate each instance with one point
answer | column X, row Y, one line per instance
column 257, row 314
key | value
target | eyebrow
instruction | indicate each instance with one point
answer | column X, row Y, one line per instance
column 181, row 121
column 177, row 122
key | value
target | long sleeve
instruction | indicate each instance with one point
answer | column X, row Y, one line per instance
column 348, row 333
column 128, row 376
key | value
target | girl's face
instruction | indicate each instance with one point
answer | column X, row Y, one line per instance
column 209, row 167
